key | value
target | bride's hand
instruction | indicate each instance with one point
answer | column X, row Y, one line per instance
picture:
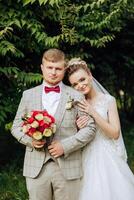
column 86, row 107
column 82, row 121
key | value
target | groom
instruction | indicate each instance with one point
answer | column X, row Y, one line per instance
column 54, row 172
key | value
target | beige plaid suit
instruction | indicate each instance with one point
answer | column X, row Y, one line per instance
column 71, row 139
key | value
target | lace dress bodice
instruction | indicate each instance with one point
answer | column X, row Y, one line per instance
column 101, row 106
column 102, row 140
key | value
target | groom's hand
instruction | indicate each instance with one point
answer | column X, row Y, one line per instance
column 56, row 149
column 38, row 144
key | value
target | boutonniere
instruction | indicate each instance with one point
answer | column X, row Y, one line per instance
column 70, row 103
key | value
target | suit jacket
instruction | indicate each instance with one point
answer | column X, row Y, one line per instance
column 71, row 139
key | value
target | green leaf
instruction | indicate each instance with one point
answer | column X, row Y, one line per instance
column 43, row 2
column 25, row 2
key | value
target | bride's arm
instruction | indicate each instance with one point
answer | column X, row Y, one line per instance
column 111, row 127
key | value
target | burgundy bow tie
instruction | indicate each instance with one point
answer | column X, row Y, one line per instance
column 52, row 89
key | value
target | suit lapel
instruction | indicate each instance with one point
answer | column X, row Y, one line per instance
column 38, row 98
column 61, row 107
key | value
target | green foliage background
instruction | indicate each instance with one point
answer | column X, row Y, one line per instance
column 98, row 31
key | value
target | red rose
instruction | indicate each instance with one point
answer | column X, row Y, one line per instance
column 52, row 119
column 30, row 120
column 34, row 113
column 31, row 131
column 41, row 128
column 41, row 123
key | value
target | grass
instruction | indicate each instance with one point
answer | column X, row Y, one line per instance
column 12, row 183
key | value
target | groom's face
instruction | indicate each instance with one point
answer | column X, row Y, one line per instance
column 53, row 72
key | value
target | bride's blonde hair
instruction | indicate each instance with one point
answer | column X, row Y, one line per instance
column 74, row 65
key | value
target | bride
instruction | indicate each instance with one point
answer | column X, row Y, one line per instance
column 106, row 173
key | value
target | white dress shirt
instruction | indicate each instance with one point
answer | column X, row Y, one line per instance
column 51, row 100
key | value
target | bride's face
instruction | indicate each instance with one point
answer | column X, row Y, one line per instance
column 81, row 81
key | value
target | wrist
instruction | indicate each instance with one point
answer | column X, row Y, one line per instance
column 93, row 115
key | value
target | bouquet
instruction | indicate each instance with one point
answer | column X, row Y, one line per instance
column 39, row 125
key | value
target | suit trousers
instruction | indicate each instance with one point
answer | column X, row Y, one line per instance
column 51, row 185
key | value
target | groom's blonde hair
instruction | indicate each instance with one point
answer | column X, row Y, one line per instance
column 53, row 55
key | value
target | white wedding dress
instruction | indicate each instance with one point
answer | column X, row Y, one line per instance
column 106, row 173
